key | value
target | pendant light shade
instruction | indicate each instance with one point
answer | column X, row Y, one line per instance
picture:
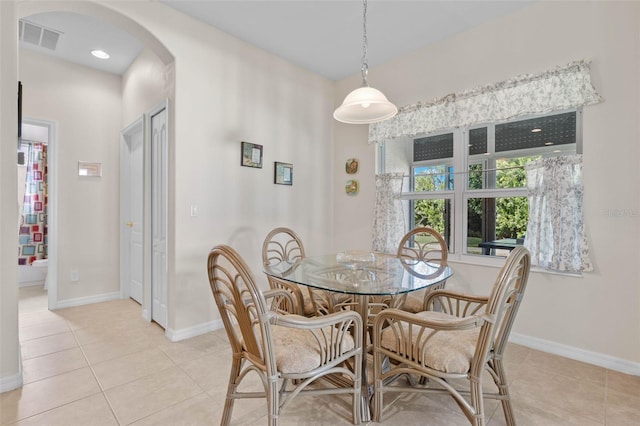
column 365, row 105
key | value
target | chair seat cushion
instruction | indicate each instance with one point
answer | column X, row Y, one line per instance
column 307, row 303
column 298, row 351
column 414, row 302
column 447, row 351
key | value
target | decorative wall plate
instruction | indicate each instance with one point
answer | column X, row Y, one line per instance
column 351, row 167
column 352, row 187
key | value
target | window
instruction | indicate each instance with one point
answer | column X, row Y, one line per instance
column 470, row 185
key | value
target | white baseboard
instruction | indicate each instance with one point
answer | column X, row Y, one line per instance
column 9, row 383
column 601, row 360
column 30, row 283
column 79, row 301
column 196, row 330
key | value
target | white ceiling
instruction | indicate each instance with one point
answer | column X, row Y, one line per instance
column 322, row 36
column 80, row 34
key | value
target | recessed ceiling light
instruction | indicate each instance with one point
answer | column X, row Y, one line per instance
column 101, row 54
column 548, row 143
column 536, row 130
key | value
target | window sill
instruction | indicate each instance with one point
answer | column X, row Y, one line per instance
column 498, row 261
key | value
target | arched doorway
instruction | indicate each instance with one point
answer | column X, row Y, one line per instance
column 65, row 297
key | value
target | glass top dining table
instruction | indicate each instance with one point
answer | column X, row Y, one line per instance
column 380, row 274
column 361, row 275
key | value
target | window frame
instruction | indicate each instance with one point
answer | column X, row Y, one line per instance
column 461, row 193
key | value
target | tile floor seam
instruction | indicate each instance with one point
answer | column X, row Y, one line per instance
column 192, row 378
column 163, row 409
column 113, row 411
column 95, row 377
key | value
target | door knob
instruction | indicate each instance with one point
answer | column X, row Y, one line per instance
column 129, row 224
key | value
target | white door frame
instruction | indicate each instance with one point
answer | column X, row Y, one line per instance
column 52, row 206
column 161, row 210
column 147, row 299
column 125, row 208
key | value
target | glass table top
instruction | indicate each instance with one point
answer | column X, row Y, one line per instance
column 378, row 275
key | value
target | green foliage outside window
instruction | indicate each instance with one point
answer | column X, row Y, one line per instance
column 431, row 212
column 512, row 213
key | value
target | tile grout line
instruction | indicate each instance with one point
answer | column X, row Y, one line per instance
column 95, row 377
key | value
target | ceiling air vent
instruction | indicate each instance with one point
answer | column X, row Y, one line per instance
column 38, row 35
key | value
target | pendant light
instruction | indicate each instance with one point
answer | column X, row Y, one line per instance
column 365, row 104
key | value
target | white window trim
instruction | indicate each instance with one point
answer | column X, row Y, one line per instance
column 460, row 197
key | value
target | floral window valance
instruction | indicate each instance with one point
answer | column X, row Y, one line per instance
column 554, row 90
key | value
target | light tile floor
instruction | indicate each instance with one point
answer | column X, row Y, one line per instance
column 102, row 364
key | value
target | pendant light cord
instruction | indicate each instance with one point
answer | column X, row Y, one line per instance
column 365, row 42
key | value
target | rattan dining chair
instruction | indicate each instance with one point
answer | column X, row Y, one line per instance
column 464, row 339
column 422, row 244
column 281, row 246
column 288, row 352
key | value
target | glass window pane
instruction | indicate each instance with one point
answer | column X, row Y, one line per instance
column 476, row 176
column 435, row 213
column 510, row 172
column 433, row 147
column 559, row 129
column 433, row 178
column 494, row 220
column 478, row 141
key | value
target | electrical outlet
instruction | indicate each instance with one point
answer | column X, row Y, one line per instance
column 75, row 276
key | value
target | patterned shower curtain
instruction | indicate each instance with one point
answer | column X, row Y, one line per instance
column 32, row 238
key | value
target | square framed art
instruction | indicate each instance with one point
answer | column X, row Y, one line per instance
column 283, row 173
column 251, row 155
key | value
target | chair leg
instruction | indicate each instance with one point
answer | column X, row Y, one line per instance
column 377, row 387
column 356, row 415
column 236, row 366
column 503, row 389
column 477, row 403
column 273, row 401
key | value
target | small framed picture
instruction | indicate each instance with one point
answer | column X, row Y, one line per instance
column 283, row 173
column 251, row 155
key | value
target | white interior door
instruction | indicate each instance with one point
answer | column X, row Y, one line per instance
column 131, row 211
column 159, row 164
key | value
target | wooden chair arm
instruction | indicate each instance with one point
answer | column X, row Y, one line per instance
column 329, row 331
column 392, row 316
column 281, row 298
column 297, row 302
column 309, row 323
column 455, row 303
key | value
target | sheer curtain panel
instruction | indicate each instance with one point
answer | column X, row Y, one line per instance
column 388, row 219
column 555, row 233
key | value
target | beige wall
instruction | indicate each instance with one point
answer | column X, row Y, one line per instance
column 228, row 92
column 86, row 106
column 10, row 371
column 596, row 317
column 146, row 84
